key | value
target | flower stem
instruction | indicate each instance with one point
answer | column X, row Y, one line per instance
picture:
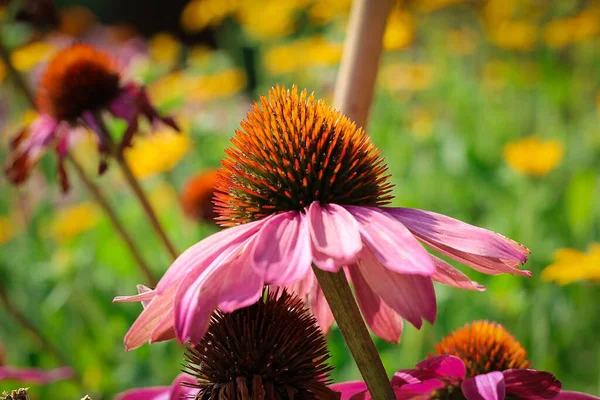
column 33, row 330
column 353, row 95
column 137, row 189
column 106, row 207
column 350, row 321
column 17, row 78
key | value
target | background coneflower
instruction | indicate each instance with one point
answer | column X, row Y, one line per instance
column 271, row 350
column 197, row 196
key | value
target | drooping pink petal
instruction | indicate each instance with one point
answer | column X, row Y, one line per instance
column 567, row 395
column 35, row 375
column 145, row 294
column 448, row 275
column 319, row 306
column 241, row 287
column 444, row 366
column 383, row 321
column 151, row 393
column 281, row 251
column 488, row 386
column 408, row 376
column 411, row 296
column 531, row 384
column 393, row 244
column 349, row 389
column 181, row 391
column 419, row 390
column 335, row 236
column 479, row 248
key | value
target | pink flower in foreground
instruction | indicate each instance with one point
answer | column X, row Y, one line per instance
column 176, row 391
column 35, row 375
column 79, row 83
column 302, row 186
column 446, row 377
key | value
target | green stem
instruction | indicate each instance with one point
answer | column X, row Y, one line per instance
column 350, row 321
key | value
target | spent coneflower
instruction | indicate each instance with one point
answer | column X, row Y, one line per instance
column 302, row 185
column 18, row 394
column 197, row 194
column 481, row 361
column 78, row 84
column 270, row 350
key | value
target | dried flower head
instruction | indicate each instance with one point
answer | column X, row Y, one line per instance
column 292, row 151
column 19, row 394
column 271, row 350
column 484, row 347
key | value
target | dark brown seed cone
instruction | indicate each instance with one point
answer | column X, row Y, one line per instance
column 271, row 350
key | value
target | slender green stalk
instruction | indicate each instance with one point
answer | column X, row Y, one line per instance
column 16, row 77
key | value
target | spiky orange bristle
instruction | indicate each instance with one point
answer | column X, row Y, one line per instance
column 78, row 78
column 484, row 347
column 292, row 150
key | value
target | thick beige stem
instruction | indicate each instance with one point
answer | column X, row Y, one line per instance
column 353, row 96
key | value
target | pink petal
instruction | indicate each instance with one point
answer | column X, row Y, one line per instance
column 145, row 294
column 241, row 287
column 421, row 390
column 409, row 376
column 411, row 296
column 35, row 375
column 151, row 393
column 444, row 366
column 382, row 320
column 281, row 250
column 488, row 386
column 448, row 275
column 180, row 391
column 335, row 236
column 319, row 306
column 531, row 384
column 393, row 244
column 349, row 389
column 484, row 250
column 566, row 395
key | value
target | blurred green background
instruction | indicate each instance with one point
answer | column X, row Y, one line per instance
column 461, row 84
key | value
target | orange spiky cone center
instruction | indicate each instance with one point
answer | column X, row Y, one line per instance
column 77, row 79
column 293, row 150
column 484, row 347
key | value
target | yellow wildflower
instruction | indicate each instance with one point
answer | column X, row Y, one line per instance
column 559, row 33
column 268, row 19
column 200, row 14
column 156, row 153
column 164, row 48
column 433, row 5
column 168, row 88
column 301, row 54
column 28, row 56
column 532, row 156
column 572, row 265
column 199, row 56
column 400, row 30
column 7, row 230
column 409, row 77
column 324, row 11
column 218, row 85
column 513, row 34
column 74, row 220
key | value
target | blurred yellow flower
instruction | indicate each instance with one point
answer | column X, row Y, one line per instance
column 400, row 30
column 199, row 56
column 323, row 11
column 301, row 54
column 421, row 123
column 163, row 196
column 409, row 77
column 268, row 19
column 572, row 265
column 30, row 55
column 200, row 14
column 168, row 88
column 164, row 48
column 532, row 156
column 215, row 86
column 433, row 5
column 518, row 35
column 70, row 222
column 156, row 153
column 7, row 230
column 559, row 33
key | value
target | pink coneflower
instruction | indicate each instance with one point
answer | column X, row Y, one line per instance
column 303, row 185
column 176, row 391
column 481, row 361
column 78, row 84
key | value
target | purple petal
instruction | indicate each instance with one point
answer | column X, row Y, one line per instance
column 151, row 393
column 35, row 375
column 383, row 321
column 181, row 391
column 335, row 236
column 444, row 366
column 349, row 389
column 409, row 376
column 479, row 248
column 488, row 386
column 421, row 390
column 448, row 275
column 281, row 250
column 566, row 395
column 411, row 296
column 531, row 384
column 393, row 244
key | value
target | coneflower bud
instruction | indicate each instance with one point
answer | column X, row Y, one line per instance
column 271, row 350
